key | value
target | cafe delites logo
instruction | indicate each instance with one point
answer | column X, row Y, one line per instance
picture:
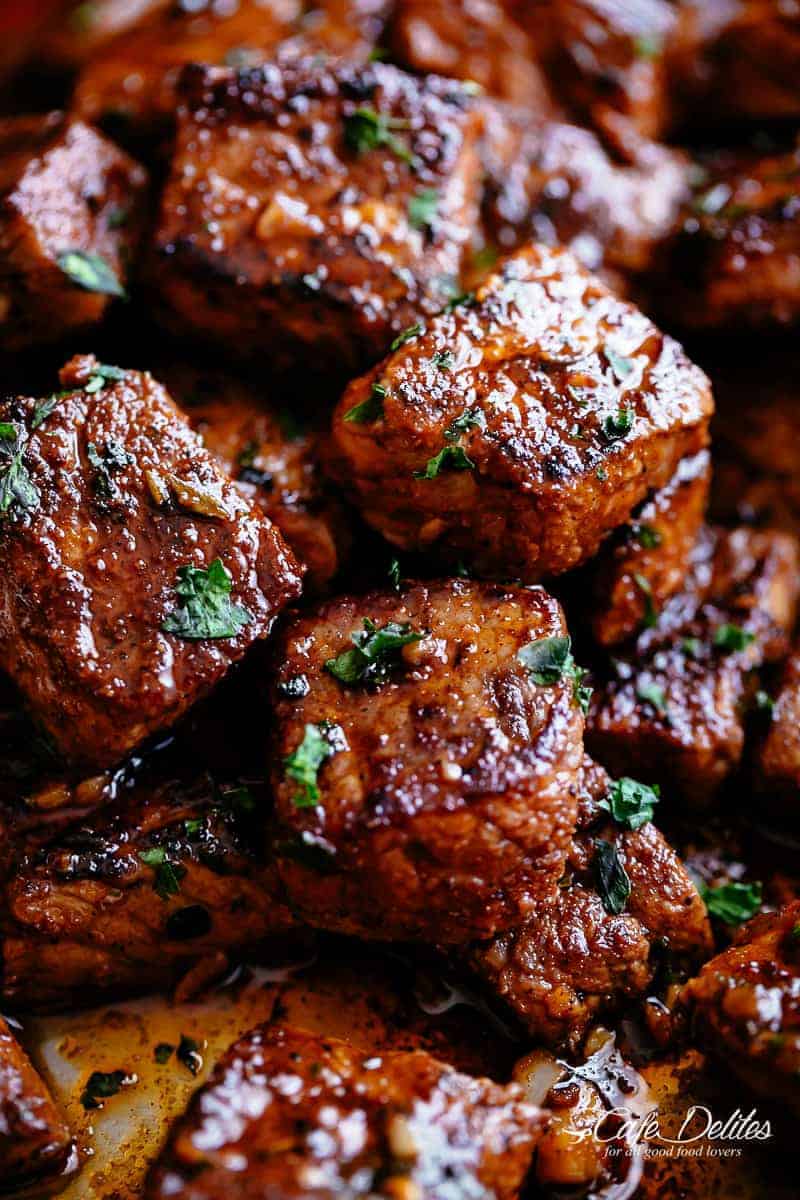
column 699, row 1133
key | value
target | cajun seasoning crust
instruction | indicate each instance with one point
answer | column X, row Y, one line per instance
column 575, row 962
column 131, row 896
column 735, row 260
column 35, row 1142
column 282, row 232
column 448, row 813
column 395, row 1124
column 272, row 460
column 673, row 704
column 90, row 568
column 63, row 187
column 576, row 406
column 656, row 547
column 745, row 1004
column 476, row 41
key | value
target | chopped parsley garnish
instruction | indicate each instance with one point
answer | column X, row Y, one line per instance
column 444, row 359
column 188, row 1053
column 422, row 208
column 101, row 1085
column 630, row 802
column 471, row 418
column 406, row 336
column 394, row 573
column 370, row 409
column 647, row 537
column 461, row 300
column 167, row 875
column 692, row 646
column 163, row 1052
column 375, row 651
column 733, row 903
column 549, row 660
column 205, row 609
column 620, row 365
column 319, row 743
column 43, row 410
column 611, row 878
column 90, row 272
column 619, row 425
column 449, row 458
column 732, row 638
column 650, row 613
column 101, row 375
column 652, row 694
column 366, row 129
column 295, row 688
column 17, row 489
column 193, row 826
column 602, row 474
column 114, row 457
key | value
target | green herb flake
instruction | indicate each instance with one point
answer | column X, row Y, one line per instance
column 549, row 660
column 650, row 618
column 90, row 272
column 163, row 1052
column 422, row 208
column 449, row 458
column 648, row 45
column 43, row 410
column 647, row 537
column 620, row 365
column 611, row 878
column 102, row 375
column 413, row 331
column 167, row 875
column 394, row 574
column 733, row 903
column 471, row 418
column 370, row 409
column 619, row 425
column 366, row 129
column 443, row 360
column 375, row 651
column 188, row 1053
column 193, row 826
column 732, row 638
column 692, row 646
column 652, row 694
column 101, row 1085
column 630, row 802
column 462, row 300
column 763, row 702
column 205, row 609
column 319, row 743
column 602, row 474
column 113, row 458
column 18, row 493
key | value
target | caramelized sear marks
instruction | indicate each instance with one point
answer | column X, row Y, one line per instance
column 516, row 432
column 345, row 1123
column 444, row 795
column 111, row 499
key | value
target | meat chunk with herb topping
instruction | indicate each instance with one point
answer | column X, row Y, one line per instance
column 673, row 704
column 312, row 212
column 735, row 260
column 517, row 431
column 134, row 572
column 273, row 456
column 624, row 903
column 745, row 1005
column 71, row 205
column 35, row 1143
column 347, row 1122
column 648, row 560
column 425, row 759
column 165, row 876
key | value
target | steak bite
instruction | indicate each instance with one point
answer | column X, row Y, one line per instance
column 517, row 431
column 273, row 459
column 346, row 1123
column 778, row 758
column 673, row 703
column 624, row 903
column 35, row 1143
column 735, row 260
column 312, row 212
column 132, row 82
column 474, row 41
column 71, row 205
column 648, row 561
column 165, row 876
column 134, row 572
column 425, row 759
column 745, row 1005
column 554, row 182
